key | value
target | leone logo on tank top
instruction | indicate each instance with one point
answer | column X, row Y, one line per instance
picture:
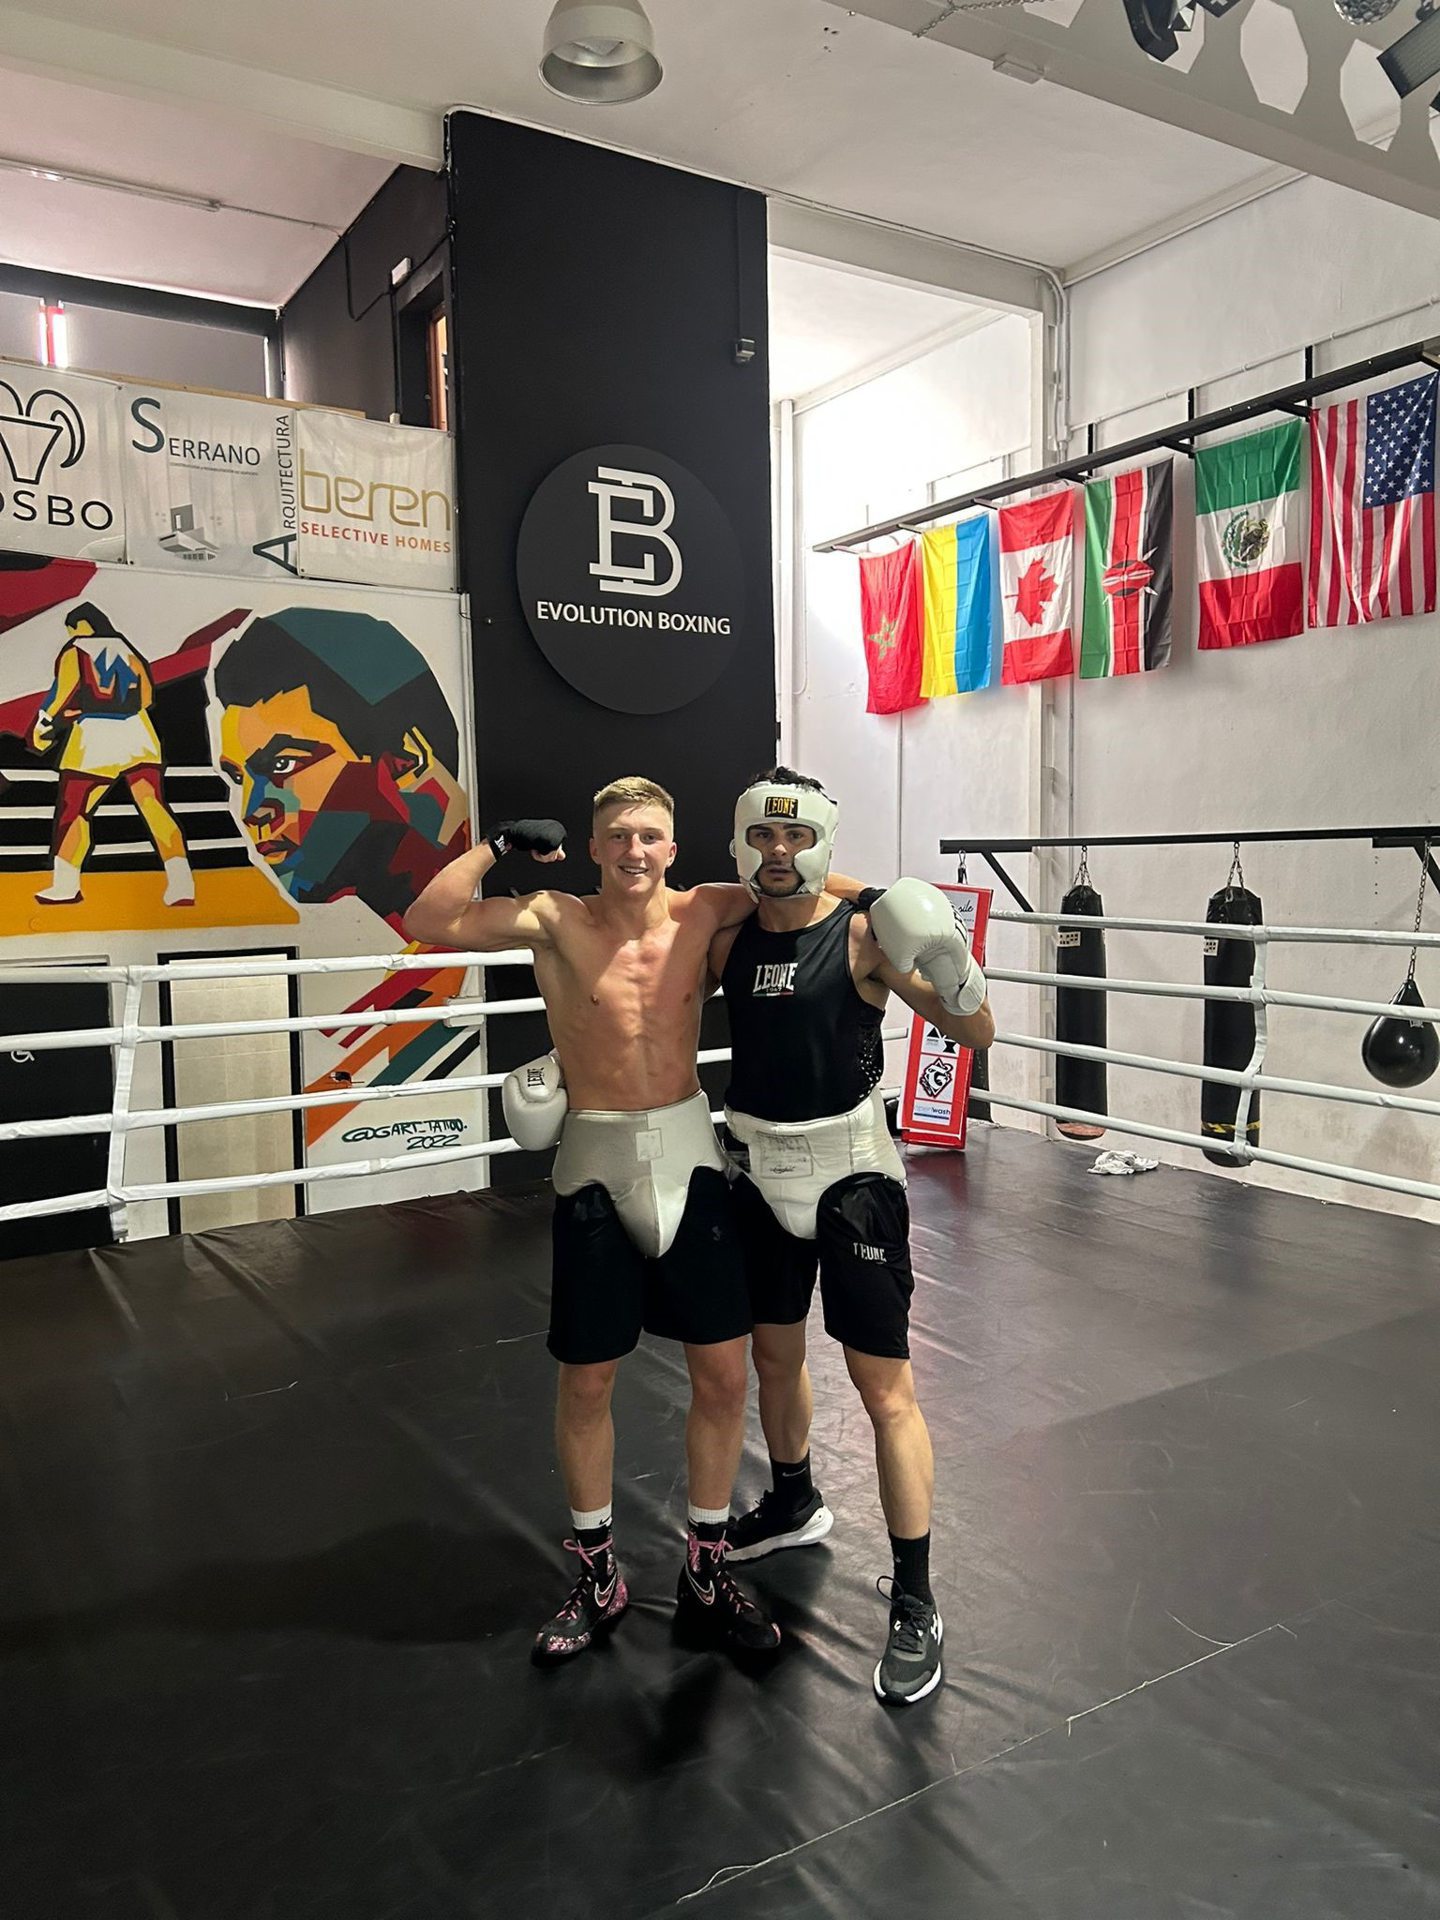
column 774, row 979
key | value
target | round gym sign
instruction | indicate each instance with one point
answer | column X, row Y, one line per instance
column 630, row 576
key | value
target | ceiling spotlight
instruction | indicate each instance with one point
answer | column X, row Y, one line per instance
column 1155, row 23
column 1414, row 59
column 600, row 51
column 1364, row 13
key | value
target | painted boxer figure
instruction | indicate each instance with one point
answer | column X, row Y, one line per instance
column 644, row 1234
column 806, row 981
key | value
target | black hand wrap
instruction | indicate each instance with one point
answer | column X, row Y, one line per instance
column 868, row 897
column 526, row 836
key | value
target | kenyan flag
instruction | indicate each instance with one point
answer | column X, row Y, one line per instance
column 1250, row 530
column 1129, row 528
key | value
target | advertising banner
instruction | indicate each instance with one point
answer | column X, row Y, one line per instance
column 934, row 1102
column 376, row 503
column 60, row 486
column 210, row 484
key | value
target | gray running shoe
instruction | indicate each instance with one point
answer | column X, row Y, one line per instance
column 910, row 1667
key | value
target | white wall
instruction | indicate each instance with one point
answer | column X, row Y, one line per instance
column 907, row 780
column 1325, row 729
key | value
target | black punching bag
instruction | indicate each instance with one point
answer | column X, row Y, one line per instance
column 1402, row 1053
column 1229, row 1024
column 1080, row 1015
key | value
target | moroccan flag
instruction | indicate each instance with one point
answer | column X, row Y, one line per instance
column 890, row 621
column 1372, row 506
column 1129, row 576
column 1250, row 519
column 1037, row 573
column 959, row 606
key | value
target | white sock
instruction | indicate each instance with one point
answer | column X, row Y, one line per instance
column 601, row 1517
column 708, row 1516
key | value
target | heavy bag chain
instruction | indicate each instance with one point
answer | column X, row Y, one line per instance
column 1082, row 872
column 1419, row 909
column 1237, row 874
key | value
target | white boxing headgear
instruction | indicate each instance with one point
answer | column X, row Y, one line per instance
column 772, row 803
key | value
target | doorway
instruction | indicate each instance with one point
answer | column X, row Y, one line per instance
column 51, row 1086
column 243, row 1066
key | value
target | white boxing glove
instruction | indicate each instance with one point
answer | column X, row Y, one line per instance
column 535, row 1102
column 918, row 932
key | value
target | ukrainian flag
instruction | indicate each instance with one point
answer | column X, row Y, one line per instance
column 960, row 606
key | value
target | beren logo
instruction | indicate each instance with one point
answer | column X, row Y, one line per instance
column 656, row 502
column 29, row 434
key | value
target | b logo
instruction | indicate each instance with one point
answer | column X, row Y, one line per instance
column 657, row 510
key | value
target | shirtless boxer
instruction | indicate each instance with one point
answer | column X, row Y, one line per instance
column 806, row 982
column 643, row 1233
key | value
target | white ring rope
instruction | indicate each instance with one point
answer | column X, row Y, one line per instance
column 130, row 1034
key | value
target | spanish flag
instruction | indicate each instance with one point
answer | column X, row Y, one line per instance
column 960, row 607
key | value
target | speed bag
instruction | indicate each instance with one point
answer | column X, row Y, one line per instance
column 1229, row 1025
column 1080, row 1016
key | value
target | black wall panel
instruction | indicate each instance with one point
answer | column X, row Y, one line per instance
column 597, row 301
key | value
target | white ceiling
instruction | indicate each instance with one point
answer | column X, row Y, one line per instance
column 798, row 97
column 828, row 326
column 305, row 195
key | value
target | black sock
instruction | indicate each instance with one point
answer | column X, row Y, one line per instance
column 912, row 1567
column 599, row 1544
column 791, row 1481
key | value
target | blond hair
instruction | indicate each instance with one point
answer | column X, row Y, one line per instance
column 632, row 791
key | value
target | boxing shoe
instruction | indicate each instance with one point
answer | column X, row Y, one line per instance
column 596, row 1602
column 713, row 1610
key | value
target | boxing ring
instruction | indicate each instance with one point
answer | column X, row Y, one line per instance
column 278, row 1519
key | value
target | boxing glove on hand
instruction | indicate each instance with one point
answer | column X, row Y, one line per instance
column 526, row 836
column 918, row 933
column 535, row 1102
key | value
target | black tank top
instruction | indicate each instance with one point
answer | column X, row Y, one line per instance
column 805, row 1043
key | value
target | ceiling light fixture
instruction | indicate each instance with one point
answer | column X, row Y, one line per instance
column 1364, row 13
column 600, row 52
column 1414, row 59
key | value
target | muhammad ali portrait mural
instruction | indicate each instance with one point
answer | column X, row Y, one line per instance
column 182, row 755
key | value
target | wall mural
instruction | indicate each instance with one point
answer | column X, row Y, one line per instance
column 183, row 757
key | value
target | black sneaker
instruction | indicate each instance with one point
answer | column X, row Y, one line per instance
column 592, row 1607
column 772, row 1525
column 714, row 1609
column 909, row 1668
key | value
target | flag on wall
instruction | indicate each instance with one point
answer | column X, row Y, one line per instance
column 959, row 570
column 1129, row 575
column 1249, row 528
column 1037, row 574
column 890, row 621
column 1372, row 506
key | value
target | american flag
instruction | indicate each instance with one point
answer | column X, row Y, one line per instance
column 1372, row 506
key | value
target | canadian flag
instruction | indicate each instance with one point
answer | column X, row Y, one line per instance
column 1037, row 579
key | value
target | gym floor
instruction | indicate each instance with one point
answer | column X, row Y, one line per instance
column 278, row 1519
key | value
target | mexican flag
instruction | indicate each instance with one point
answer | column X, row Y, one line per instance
column 1250, row 532
column 1129, row 578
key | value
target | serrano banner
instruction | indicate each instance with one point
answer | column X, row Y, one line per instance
column 376, row 503
column 210, row 484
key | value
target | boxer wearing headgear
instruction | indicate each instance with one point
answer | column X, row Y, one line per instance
column 822, row 1186
column 644, row 1234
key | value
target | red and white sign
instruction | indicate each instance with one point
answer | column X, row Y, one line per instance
column 1037, row 587
column 936, row 1095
